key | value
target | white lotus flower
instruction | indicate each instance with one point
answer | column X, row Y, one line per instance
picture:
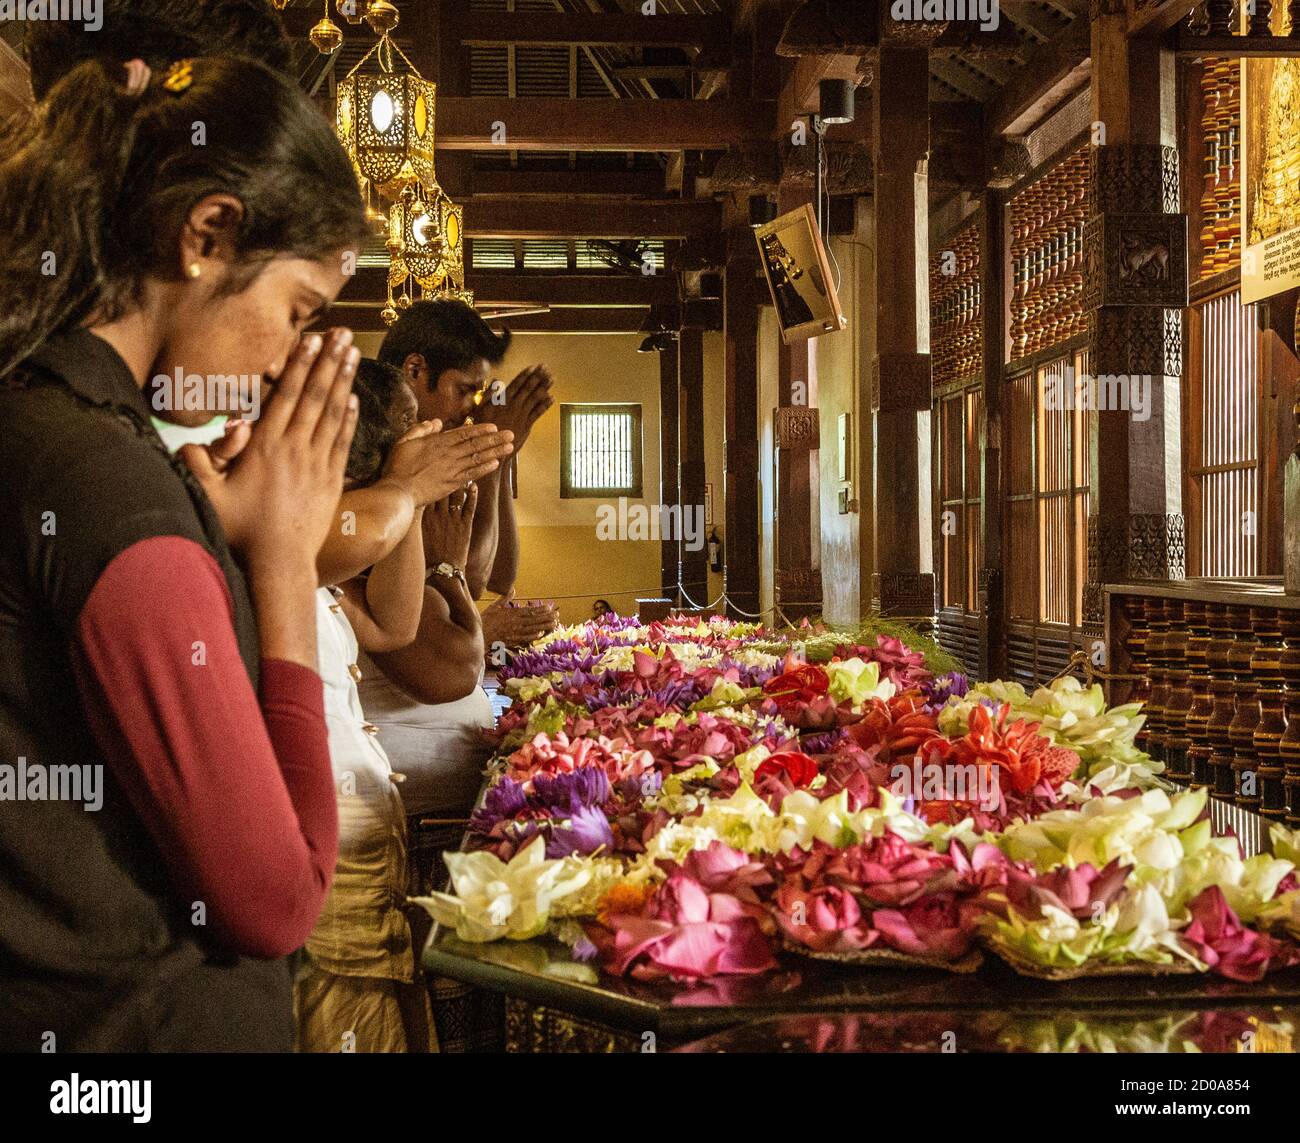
column 495, row 899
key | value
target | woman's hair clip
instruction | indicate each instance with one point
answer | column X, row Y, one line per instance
column 179, row 76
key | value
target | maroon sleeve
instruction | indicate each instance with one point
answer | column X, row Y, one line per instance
column 239, row 797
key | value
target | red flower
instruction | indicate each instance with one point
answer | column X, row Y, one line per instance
column 1024, row 756
column 897, row 726
column 802, row 683
column 798, row 768
column 935, row 926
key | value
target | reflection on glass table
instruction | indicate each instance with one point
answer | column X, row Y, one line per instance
column 1237, row 1030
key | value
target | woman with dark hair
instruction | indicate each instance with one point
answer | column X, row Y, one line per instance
column 157, row 619
column 360, row 989
column 158, row 32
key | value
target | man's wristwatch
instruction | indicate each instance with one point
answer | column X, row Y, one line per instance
column 448, row 571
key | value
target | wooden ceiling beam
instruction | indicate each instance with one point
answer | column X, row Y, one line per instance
column 960, row 79
column 601, row 290
column 1188, row 46
column 548, row 124
column 1152, row 19
column 364, row 318
column 633, row 184
column 15, row 83
column 712, row 34
column 1052, row 71
column 800, row 94
column 522, row 217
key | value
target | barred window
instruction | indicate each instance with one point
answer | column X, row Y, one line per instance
column 600, row 451
column 1222, row 439
column 1047, row 495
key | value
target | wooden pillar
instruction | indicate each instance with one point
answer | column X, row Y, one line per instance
column 901, row 368
column 1136, row 257
column 741, row 492
column 690, row 373
column 798, row 480
column 669, row 466
column 991, row 584
column 439, row 54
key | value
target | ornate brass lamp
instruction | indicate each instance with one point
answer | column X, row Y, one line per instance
column 386, row 122
column 326, row 35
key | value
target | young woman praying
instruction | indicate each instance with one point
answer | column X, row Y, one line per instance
column 157, row 619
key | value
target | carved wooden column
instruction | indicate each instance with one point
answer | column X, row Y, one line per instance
column 741, row 341
column 1289, row 747
column 798, row 482
column 1244, row 722
column 901, row 369
column 1259, row 786
column 1291, row 511
column 798, row 582
column 669, row 466
column 1135, row 245
column 990, row 585
column 695, row 559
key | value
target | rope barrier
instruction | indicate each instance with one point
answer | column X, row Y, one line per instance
column 1091, row 673
column 680, row 587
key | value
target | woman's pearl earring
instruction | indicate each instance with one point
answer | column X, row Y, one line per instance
column 194, row 270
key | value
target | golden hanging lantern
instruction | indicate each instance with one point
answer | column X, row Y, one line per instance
column 386, row 123
column 449, row 273
column 280, row 4
column 382, row 17
column 326, row 35
column 415, row 234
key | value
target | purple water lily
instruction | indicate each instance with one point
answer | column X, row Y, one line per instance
column 504, row 799
column 941, row 688
column 588, row 830
column 572, row 790
column 825, row 742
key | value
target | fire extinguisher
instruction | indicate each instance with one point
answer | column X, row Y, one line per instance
column 715, row 551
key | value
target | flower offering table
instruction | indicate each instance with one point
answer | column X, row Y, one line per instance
column 695, row 826
column 555, row 1003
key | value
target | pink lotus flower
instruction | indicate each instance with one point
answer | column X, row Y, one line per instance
column 828, row 919
column 560, row 753
column 986, row 867
column 900, row 665
column 1217, row 937
column 885, row 870
column 935, row 926
column 685, row 744
column 1081, row 892
column 721, row 869
column 685, row 932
